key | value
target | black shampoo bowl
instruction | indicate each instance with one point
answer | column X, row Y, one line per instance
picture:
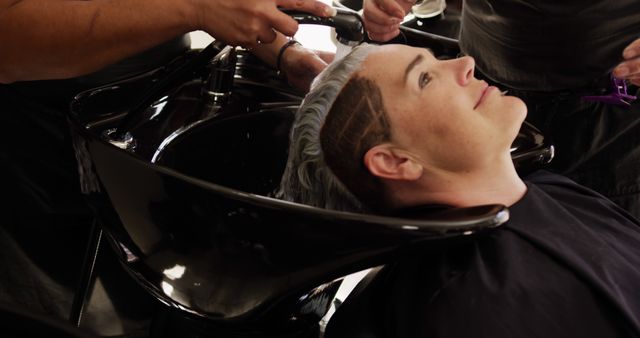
column 184, row 198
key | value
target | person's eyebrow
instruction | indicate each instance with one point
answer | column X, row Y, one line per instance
column 412, row 64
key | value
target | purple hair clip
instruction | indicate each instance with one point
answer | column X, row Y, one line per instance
column 617, row 94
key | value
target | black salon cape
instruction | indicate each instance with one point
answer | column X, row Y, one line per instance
column 567, row 264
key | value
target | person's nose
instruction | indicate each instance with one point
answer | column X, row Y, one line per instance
column 465, row 67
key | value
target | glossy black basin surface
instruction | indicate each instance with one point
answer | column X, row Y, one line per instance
column 184, row 196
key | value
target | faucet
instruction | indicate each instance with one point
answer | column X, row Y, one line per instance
column 220, row 79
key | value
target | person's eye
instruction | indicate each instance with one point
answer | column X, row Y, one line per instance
column 423, row 79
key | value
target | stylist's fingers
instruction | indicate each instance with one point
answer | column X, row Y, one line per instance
column 376, row 16
column 380, row 30
column 287, row 25
column 632, row 51
column 327, row 57
column 635, row 80
column 309, row 6
column 630, row 67
column 384, row 36
column 282, row 23
column 300, row 66
column 390, row 7
column 266, row 35
column 381, row 26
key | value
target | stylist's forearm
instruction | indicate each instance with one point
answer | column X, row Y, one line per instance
column 45, row 39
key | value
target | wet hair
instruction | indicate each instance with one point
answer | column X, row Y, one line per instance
column 340, row 119
column 356, row 123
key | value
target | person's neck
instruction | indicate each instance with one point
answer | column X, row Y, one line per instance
column 497, row 183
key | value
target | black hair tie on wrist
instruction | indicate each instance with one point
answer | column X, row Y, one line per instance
column 284, row 47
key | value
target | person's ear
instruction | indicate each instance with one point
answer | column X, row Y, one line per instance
column 388, row 162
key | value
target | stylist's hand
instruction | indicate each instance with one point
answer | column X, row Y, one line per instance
column 383, row 17
column 629, row 69
column 301, row 65
column 250, row 22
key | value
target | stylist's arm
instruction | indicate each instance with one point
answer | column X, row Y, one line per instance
column 54, row 39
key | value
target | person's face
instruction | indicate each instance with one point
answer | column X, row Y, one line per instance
column 439, row 111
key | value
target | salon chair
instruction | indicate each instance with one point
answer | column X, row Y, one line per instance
column 179, row 165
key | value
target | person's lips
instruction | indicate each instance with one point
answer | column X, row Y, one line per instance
column 485, row 92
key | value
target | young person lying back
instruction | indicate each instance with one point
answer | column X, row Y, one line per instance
column 393, row 129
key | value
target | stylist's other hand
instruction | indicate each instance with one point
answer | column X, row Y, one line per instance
column 382, row 18
column 248, row 23
column 629, row 69
column 301, row 65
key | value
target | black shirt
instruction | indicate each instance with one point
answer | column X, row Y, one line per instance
column 567, row 264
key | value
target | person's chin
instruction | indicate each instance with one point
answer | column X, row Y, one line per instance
column 517, row 106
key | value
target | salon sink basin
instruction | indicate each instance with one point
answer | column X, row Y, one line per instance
column 183, row 191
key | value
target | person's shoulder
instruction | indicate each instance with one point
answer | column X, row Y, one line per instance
column 544, row 177
column 558, row 185
column 560, row 195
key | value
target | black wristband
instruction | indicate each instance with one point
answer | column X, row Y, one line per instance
column 284, row 47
